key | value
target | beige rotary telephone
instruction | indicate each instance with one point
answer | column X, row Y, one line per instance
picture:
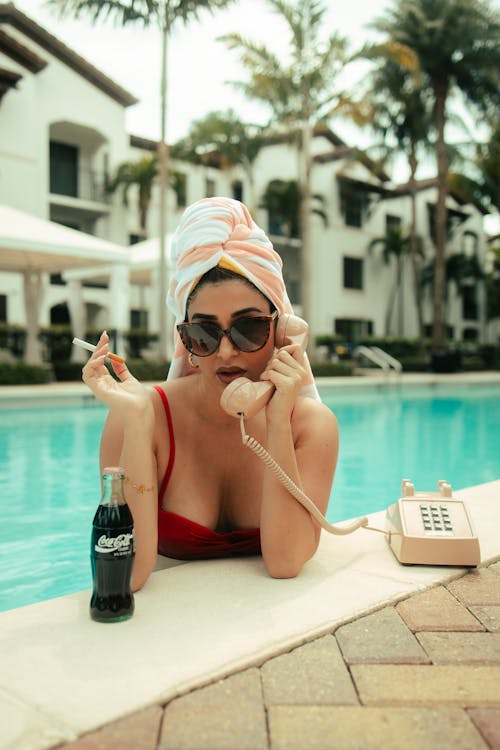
column 245, row 398
column 431, row 528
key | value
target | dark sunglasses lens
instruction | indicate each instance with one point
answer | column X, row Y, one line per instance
column 250, row 334
column 200, row 339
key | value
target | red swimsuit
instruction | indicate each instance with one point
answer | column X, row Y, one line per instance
column 182, row 539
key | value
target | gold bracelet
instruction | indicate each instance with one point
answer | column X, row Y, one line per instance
column 140, row 488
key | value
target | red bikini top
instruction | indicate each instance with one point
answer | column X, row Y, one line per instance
column 182, row 539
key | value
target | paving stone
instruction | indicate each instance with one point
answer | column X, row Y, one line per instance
column 139, row 730
column 222, row 716
column 487, row 720
column 481, row 586
column 461, row 648
column 488, row 616
column 495, row 567
column 312, row 674
column 380, row 637
column 368, row 728
column 436, row 609
column 423, row 684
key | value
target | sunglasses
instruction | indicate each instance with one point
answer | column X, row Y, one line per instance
column 248, row 334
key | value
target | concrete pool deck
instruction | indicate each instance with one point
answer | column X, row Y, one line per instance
column 53, row 394
column 358, row 652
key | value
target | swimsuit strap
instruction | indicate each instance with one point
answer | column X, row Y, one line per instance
column 171, row 457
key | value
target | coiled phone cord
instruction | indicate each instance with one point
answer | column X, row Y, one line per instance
column 294, row 490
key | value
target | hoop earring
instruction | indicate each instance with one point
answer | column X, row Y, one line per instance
column 191, row 361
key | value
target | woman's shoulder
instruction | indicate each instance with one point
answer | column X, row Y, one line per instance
column 313, row 413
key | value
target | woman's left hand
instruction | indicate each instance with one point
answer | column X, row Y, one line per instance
column 287, row 372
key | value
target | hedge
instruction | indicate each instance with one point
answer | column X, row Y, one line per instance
column 20, row 373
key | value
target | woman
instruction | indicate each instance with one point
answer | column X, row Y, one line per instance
column 194, row 489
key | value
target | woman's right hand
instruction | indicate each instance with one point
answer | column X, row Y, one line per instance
column 129, row 398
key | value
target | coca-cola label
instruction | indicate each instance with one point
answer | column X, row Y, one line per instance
column 122, row 544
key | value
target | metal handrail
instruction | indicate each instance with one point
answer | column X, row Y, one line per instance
column 379, row 358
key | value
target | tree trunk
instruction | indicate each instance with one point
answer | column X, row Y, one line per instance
column 163, row 224
column 439, row 322
column 305, row 179
column 305, row 223
column 414, row 259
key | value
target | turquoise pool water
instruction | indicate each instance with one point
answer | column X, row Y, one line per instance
column 50, row 482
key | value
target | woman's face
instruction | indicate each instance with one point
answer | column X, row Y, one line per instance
column 222, row 303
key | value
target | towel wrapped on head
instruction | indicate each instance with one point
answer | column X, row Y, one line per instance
column 220, row 232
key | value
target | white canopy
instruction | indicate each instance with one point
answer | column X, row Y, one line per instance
column 33, row 246
column 30, row 243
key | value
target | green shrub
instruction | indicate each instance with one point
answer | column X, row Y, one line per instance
column 12, row 338
column 137, row 340
column 414, row 364
column 395, row 346
column 56, row 341
column 146, row 370
column 67, row 371
column 472, row 363
column 20, row 373
column 490, row 354
column 332, row 369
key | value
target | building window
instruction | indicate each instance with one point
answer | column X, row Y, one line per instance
column 59, row 315
column 237, row 190
column 139, row 319
column 63, row 169
column 56, row 279
column 469, row 303
column 392, row 222
column 470, row 334
column 353, row 329
column 209, row 187
column 3, row 308
column 180, row 188
column 470, row 243
column 353, row 204
column 353, row 273
column 133, row 239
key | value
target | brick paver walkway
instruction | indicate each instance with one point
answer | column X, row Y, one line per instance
column 421, row 675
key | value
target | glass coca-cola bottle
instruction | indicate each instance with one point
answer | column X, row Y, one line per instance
column 112, row 552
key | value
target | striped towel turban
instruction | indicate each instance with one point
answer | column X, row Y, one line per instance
column 220, row 232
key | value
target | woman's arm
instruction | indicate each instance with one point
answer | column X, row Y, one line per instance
column 289, row 535
column 129, row 444
column 128, row 441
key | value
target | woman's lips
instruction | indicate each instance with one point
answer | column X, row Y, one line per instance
column 227, row 375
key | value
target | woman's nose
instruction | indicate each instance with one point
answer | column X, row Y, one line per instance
column 226, row 347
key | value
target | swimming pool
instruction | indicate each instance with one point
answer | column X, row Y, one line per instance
column 50, row 482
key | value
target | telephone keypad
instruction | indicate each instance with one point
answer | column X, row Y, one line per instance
column 436, row 519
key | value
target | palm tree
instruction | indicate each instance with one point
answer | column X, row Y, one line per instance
column 402, row 117
column 163, row 13
column 298, row 94
column 281, row 199
column 480, row 184
column 234, row 142
column 393, row 246
column 460, row 270
column 456, row 42
column 142, row 174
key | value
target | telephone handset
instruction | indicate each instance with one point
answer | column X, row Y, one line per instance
column 245, row 398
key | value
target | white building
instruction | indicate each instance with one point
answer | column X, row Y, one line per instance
column 62, row 131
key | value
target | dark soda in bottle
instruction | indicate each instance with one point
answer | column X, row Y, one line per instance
column 112, row 552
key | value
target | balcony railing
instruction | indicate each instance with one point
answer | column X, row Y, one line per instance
column 86, row 184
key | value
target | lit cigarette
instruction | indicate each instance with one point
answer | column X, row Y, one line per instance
column 92, row 348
